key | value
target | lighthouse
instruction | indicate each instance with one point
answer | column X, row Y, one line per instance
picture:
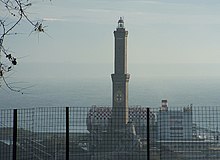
column 117, row 136
column 120, row 79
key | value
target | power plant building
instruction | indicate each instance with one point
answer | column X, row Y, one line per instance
column 174, row 124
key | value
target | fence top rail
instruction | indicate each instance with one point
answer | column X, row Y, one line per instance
column 194, row 107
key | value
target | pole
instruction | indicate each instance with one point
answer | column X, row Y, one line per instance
column 148, row 133
column 15, row 134
column 67, row 133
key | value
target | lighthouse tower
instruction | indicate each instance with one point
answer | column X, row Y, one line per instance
column 120, row 79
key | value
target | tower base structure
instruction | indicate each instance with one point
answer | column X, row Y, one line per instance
column 120, row 144
column 119, row 139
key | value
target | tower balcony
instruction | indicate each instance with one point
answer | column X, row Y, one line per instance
column 120, row 78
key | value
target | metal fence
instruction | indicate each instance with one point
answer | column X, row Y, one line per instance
column 79, row 133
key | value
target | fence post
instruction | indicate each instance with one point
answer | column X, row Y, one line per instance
column 148, row 133
column 15, row 125
column 67, row 133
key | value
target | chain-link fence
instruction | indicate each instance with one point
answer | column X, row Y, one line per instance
column 80, row 133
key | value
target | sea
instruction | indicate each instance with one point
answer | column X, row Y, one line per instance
column 86, row 92
column 179, row 91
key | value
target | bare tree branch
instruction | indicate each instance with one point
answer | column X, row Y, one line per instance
column 18, row 10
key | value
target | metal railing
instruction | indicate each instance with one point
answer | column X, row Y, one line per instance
column 59, row 133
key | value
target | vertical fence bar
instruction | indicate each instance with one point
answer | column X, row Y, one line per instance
column 15, row 134
column 67, row 133
column 148, row 133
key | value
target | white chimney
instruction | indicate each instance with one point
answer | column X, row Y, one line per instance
column 164, row 105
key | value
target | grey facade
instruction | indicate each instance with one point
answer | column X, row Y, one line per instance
column 175, row 124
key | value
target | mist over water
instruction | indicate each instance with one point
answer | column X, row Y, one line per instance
column 145, row 92
column 85, row 85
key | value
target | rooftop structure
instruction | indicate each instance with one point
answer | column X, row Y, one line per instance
column 98, row 119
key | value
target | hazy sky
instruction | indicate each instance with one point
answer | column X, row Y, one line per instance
column 160, row 31
column 169, row 31
column 166, row 37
